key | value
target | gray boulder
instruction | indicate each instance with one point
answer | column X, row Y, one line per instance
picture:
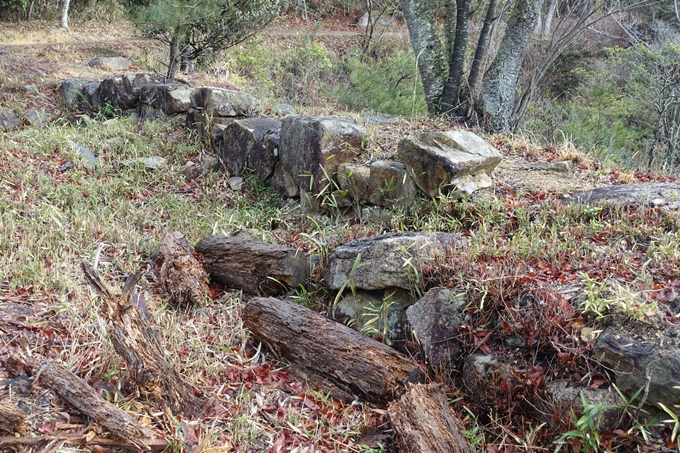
column 434, row 321
column 484, row 372
column 449, row 161
column 122, row 92
column 312, row 148
column 110, row 63
column 392, row 260
column 561, row 398
column 8, row 120
column 645, row 356
column 253, row 143
column 71, row 91
column 89, row 100
column 390, row 184
column 221, row 102
column 36, row 118
column 169, row 98
column 283, row 183
column 354, row 179
column 647, row 194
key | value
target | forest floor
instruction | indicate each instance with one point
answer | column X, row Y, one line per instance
column 525, row 241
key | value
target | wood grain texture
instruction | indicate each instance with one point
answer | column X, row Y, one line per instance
column 353, row 362
column 11, row 418
column 134, row 338
column 85, row 399
column 424, row 423
column 255, row 267
column 182, row 275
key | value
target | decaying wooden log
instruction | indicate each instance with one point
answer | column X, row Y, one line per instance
column 424, row 423
column 11, row 418
column 353, row 362
column 255, row 267
column 81, row 439
column 84, row 398
column 135, row 340
column 182, row 275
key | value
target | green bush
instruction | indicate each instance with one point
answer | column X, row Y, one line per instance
column 389, row 85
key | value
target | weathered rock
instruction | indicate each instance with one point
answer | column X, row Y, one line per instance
column 210, row 164
column 122, row 92
column 359, row 309
column 169, row 98
column 285, row 109
column 310, row 203
column 31, row 87
column 235, row 183
column 152, row 162
column 221, row 102
column 36, row 118
column 8, row 120
column 313, row 148
column 87, row 155
column 110, row 63
column 642, row 356
column 90, row 100
column 71, row 91
column 380, row 119
column 354, row 179
column 445, row 161
column 435, row 320
column 647, row 194
column 253, row 143
column 283, row 183
column 253, row 266
column 559, row 399
column 483, row 371
column 389, row 260
column 390, row 184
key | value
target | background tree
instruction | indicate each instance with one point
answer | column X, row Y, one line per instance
column 193, row 28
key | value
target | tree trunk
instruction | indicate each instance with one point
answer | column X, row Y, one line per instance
column 64, row 14
column 174, row 58
column 423, row 422
column 500, row 81
column 353, row 362
column 453, row 88
column 85, row 399
column 134, row 339
column 482, row 45
column 419, row 16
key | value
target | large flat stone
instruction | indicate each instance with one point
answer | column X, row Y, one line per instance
column 253, row 143
column 391, row 260
column 222, row 102
column 647, row 194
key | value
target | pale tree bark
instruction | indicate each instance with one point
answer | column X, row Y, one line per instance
column 500, row 81
column 419, row 16
column 64, row 13
column 482, row 46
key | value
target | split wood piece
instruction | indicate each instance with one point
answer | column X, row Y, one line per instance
column 182, row 275
column 85, row 399
column 255, row 267
column 81, row 439
column 134, row 338
column 353, row 362
column 424, row 423
column 11, row 418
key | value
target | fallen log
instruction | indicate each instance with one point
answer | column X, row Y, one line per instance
column 255, row 267
column 182, row 275
column 11, row 418
column 85, row 399
column 424, row 423
column 135, row 340
column 81, row 439
column 353, row 362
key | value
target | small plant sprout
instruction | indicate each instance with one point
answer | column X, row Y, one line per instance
column 350, row 280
